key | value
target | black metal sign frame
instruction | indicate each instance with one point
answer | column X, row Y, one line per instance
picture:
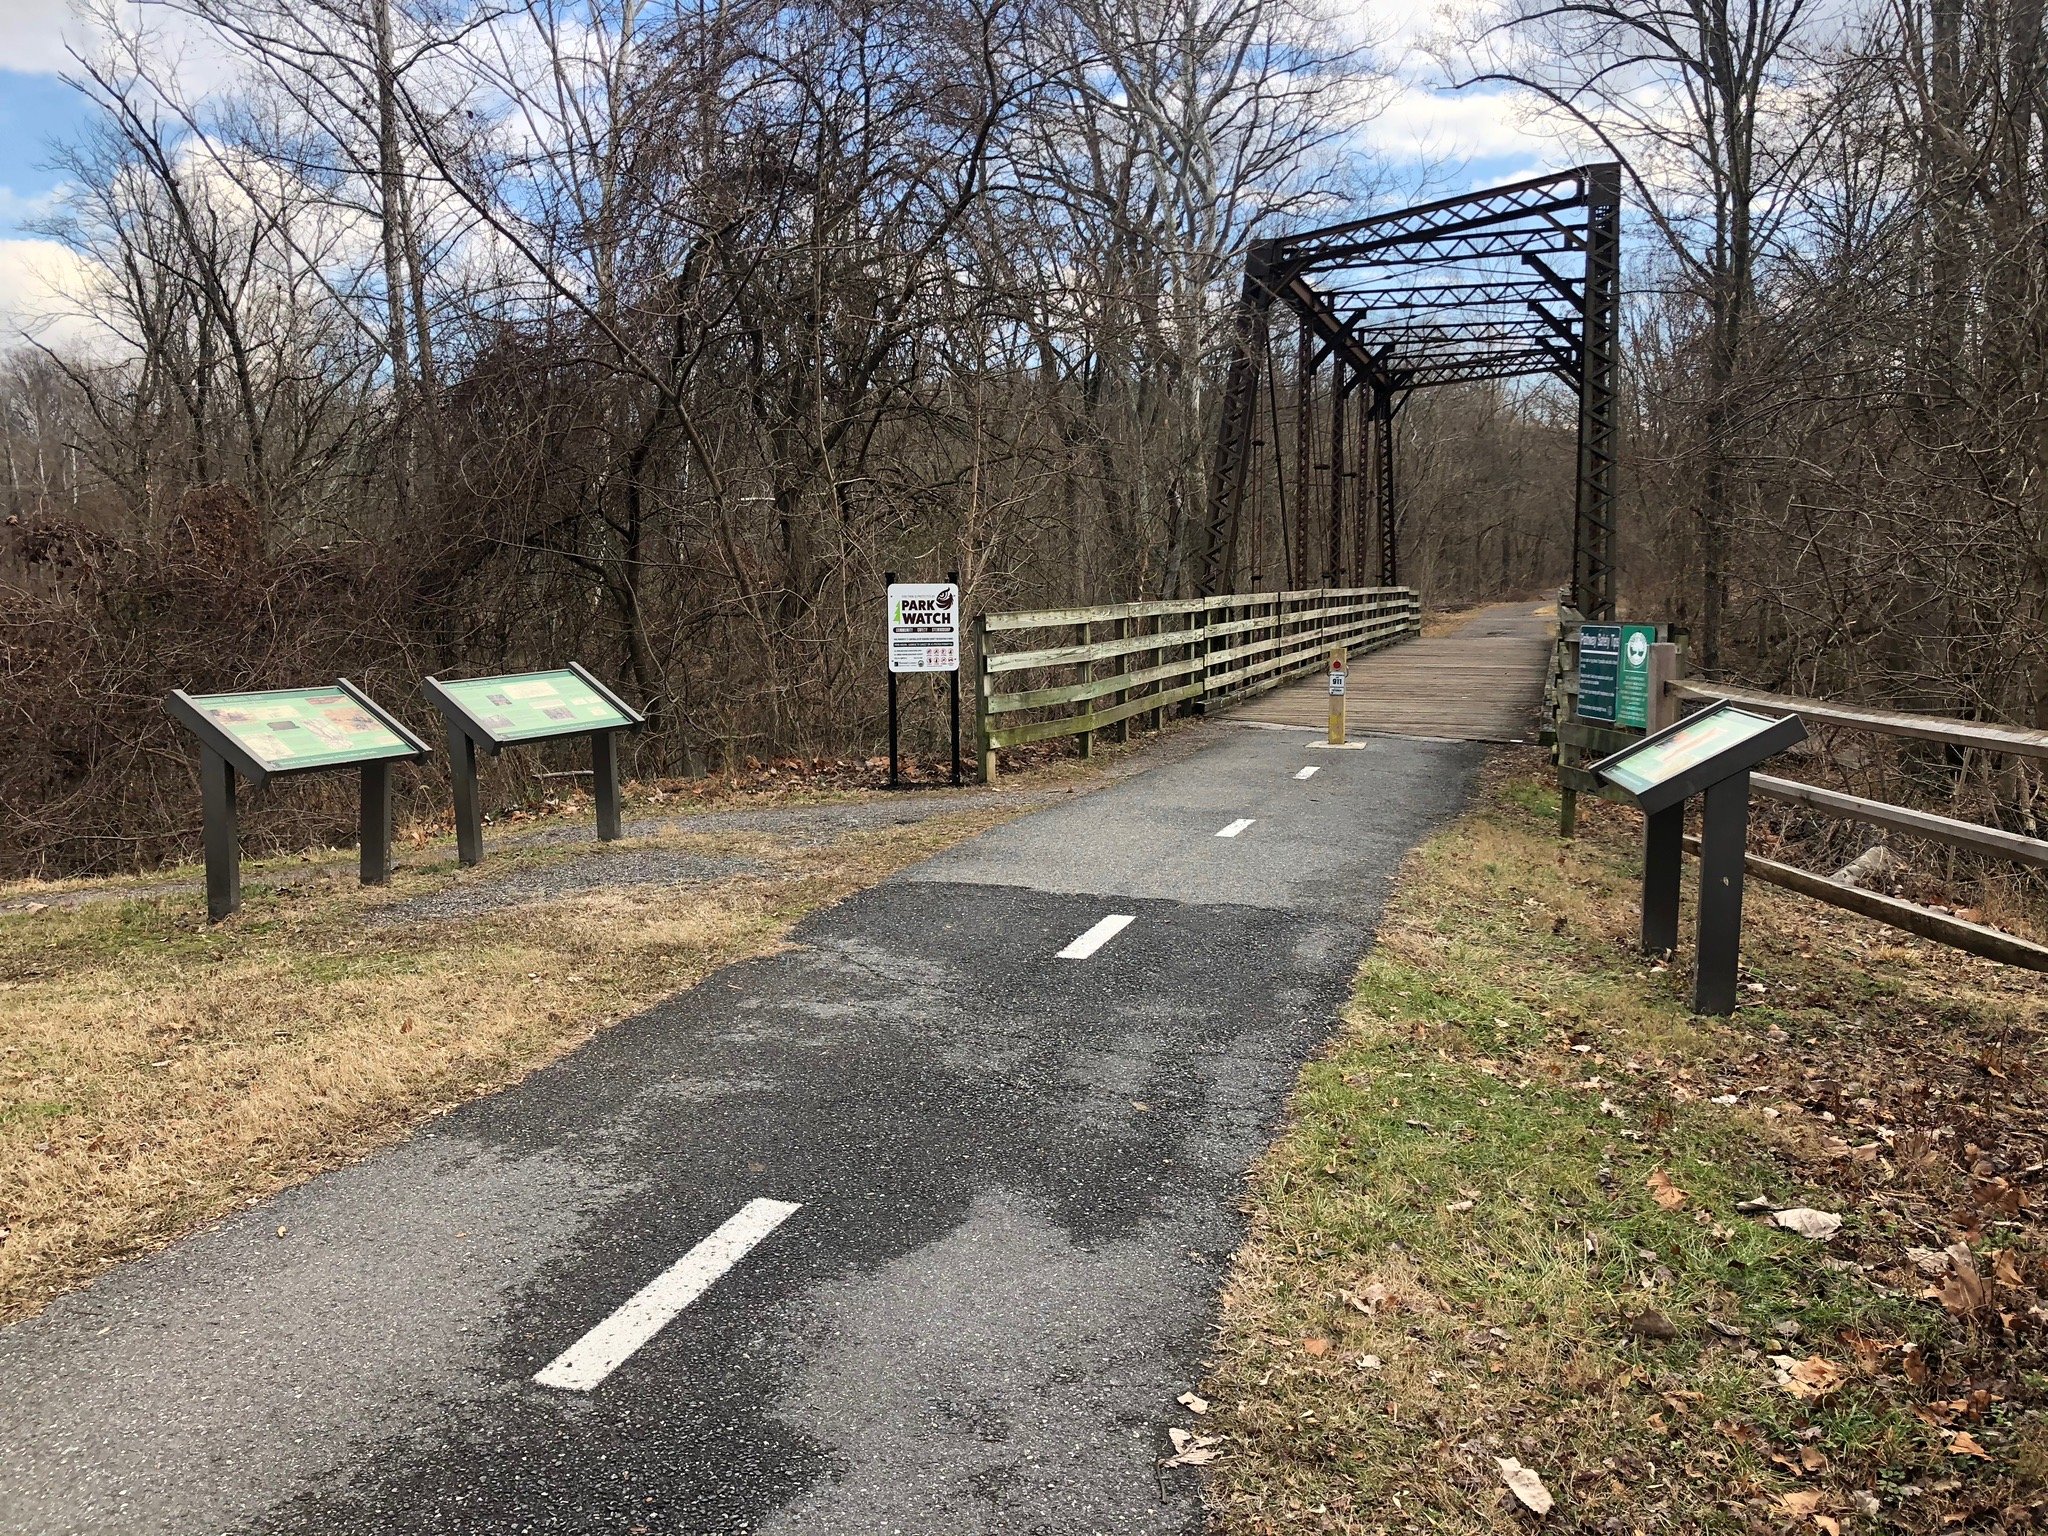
column 1723, row 783
column 952, row 694
column 222, row 759
column 466, row 733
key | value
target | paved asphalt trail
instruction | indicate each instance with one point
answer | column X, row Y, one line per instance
column 1018, row 1178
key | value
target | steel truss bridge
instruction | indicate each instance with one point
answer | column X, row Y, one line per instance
column 1512, row 282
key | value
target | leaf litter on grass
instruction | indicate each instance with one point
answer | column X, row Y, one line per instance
column 1780, row 1271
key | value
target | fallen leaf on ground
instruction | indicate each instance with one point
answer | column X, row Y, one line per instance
column 1193, row 1403
column 1965, row 1444
column 1315, row 1346
column 1192, row 1450
column 1931, row 1262
column 1525, row 1485
column 1663, row 1191
column 1810, row 1378
column 1809, row 1223
column 1801, row 1501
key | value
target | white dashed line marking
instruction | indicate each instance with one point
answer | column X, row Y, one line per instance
column 1097, row 936
column 585, row 1364
column 1236, row 827
column 1308, row 773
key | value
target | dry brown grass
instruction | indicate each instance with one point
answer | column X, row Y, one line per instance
column 155, row 1072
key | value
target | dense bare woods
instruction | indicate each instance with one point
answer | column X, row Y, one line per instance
column 432, row 338
column 648, row 334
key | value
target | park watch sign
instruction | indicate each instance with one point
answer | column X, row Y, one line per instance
column 924, row 626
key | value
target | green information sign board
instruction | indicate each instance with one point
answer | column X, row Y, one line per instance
column 1614, row 673
column 531, row 706
column 257, row 736
column 293, row 728
column 498, row 712
column 1710, row 755
column 1660, row 760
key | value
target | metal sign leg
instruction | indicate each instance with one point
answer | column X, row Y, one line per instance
column 374, row 834
column 469, row 816
column 1724, row 837
column 604, row 769
column 1663, row 853
column 223, row 844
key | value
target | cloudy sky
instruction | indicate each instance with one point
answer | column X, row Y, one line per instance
column 1436, row 140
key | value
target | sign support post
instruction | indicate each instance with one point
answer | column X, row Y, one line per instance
column 1338, row 659
column 1724, row 839
column 469, row 816
column 953, row 696
column 1663, row 856
column 373, row 833
column 889, row 579
column 223, row 845
column 604, row 784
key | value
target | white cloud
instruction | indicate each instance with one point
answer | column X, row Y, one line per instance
column 1428, row 124
column 33, row 34
column 44, row 289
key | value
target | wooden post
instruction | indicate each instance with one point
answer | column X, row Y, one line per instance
column 1087, row 671
column 1158, row 653
column 1123, row 667
column 1663, row 673
column 984, row 682
column 1338, row 683
column 1567, row 710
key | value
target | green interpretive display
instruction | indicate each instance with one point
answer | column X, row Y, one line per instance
column 529, row 706
column 1665, row 757
column 492, row 713
column 258, row 736
column 302, row 728
column 1710, row 756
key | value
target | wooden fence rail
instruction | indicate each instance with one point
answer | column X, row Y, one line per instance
column 1104, row 666
column 1576, row 739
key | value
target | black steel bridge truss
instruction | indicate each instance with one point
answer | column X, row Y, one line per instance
column 1512, row 282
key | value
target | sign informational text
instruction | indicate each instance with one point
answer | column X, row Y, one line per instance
column 924, row 626
column 1614, row 673
column 530, row 705
column 292, row 728
column 1704, row 736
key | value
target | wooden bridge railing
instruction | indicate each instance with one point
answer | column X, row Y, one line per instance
column 1578, row 741
column 1111, row 664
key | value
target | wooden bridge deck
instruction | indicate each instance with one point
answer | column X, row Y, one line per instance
column 1481, row 682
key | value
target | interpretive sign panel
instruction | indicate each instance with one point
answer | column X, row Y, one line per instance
column 1708, row 746
column 497, row 712
column 1614, row 673
column 1709, row 755
column 258, row 736
column 924, row 626
column 532, row 706
column 293, row 728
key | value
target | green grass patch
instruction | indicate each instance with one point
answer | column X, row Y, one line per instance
column 1508, row 1219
